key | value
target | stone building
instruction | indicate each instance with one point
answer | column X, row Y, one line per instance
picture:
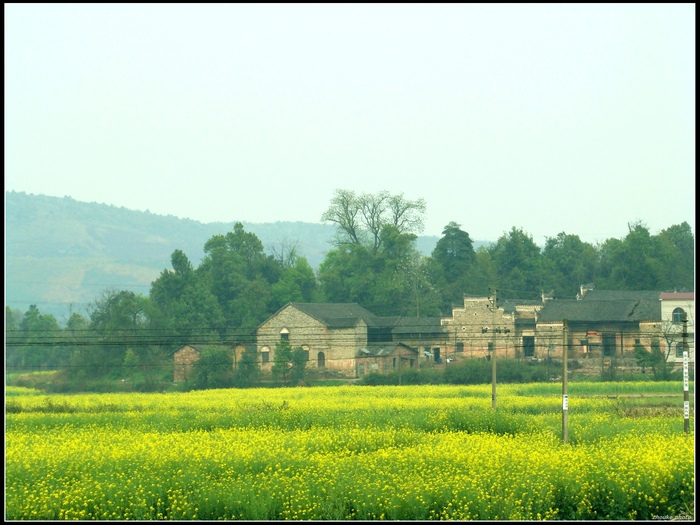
column 478, row 328
column 673, row 307
column 602, row 325
column 349, row 340
column 383, row 358
column 185, row 357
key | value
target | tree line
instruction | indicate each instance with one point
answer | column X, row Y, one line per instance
column 373, row 262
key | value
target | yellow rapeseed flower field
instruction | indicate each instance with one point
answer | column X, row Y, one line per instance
column 341, row 453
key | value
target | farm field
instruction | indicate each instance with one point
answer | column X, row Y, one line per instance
column 352, row 452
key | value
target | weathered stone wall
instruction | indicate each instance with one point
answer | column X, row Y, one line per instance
column 339, row 346
column 184, row 358
column 471, row 328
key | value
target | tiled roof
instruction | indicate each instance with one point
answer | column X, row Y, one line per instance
column 509, row 305
column 338, row 315
column 677, row 296
column 382, row 349
column 627, row 307
column 621, row 295
column 417, row 325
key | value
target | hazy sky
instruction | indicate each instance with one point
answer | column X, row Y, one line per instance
column 549, row 118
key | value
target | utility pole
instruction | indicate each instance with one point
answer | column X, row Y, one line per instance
column 493, row 350
column 686, row 403
column 564, row 389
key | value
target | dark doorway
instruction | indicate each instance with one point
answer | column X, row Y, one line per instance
column 609, row 344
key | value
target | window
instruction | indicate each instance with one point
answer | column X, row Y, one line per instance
column 459, row 347
column 321, row 360
column 393, row 362
column 361, row 369
column 678, row 315
column 265, row 357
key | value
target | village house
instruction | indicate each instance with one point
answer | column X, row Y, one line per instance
column 479, row 328
column 383, row 358
column 606, row 325
column 331, row 334
column 674, row 306
column 347, row 340
column 601, row 324
column 185, row 357
column 351, row 341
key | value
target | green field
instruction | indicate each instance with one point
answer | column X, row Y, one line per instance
column 352, row 452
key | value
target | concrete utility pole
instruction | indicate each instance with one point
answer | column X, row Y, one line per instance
column 686, row 401
column 493, row 351
column 564, row 389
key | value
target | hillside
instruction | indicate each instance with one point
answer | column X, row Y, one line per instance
column 60, row 254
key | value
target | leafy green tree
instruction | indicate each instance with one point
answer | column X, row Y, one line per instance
column 518, row 264
column 297, row 369
column 118, row 320
column 282, row 363
column 454, row 252
column 188, row 310
column 36, row 342
column 643, row 357
column 403, row 286
column 240, row 275
column 131, row 362
column 289, row 363
column 247, row 372
column 676, row 246
column 567, row 263
column 12, row 319
column 640, row 261
column 453, row 266
column 297, row 284
column 213, row 369
column 350, row 274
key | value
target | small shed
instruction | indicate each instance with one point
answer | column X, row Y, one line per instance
column 383, row 358
column 185, row 357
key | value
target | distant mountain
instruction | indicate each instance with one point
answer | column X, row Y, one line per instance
column 60, row 254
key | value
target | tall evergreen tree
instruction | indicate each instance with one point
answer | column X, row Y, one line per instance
column 518, row 264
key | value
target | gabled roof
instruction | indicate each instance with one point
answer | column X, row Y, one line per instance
column 417, row 325
column 618, row 307
column 677, row 296
column 338, row 315
column 183, row 346
column 382, row 349
column 621, row 295
column 509, row 305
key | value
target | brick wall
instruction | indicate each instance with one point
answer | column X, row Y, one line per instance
column 338, row 346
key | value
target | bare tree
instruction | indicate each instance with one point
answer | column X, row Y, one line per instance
column 344, row 210
column 287, row 253
column 407, row 215
column 361, row 218
column 373, row 208
column 673, row 335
